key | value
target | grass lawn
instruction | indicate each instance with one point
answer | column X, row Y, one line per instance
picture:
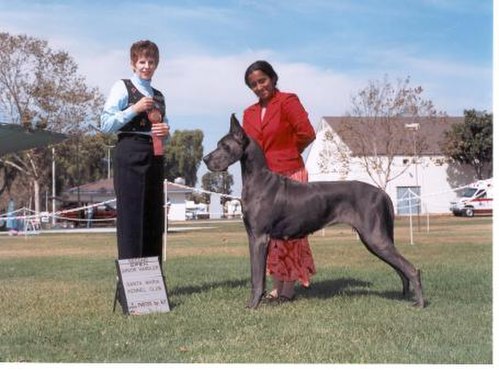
column 57, row 291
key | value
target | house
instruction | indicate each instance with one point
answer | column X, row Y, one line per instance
column 401, row 156
column 90, row 193
column 103, row 190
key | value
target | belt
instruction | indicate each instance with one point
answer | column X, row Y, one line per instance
column 139, row 137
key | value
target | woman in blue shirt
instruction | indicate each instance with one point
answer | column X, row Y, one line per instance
column 138, row 165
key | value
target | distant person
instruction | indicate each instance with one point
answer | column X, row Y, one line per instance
column 3, row 223
column 90, row 215
column 12, row 222
column 280, row 125
column 138, row 171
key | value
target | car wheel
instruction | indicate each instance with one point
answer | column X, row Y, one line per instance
column 469, row 212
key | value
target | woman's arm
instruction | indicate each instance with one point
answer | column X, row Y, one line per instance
column 297, row 116
column 116, row 114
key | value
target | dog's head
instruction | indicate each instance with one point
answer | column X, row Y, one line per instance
column 229, row 149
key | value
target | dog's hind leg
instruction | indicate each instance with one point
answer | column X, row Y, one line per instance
column 258, row 256
column 403, row 278
column 405, row 282
column 384, row 249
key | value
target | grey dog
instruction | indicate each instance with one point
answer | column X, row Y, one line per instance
column 277, row 207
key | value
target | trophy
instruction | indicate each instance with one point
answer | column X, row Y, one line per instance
column 154, row 115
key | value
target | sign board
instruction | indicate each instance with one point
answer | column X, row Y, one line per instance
column 142, row 286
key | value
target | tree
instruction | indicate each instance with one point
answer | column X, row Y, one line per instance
column 183, row 155
column 470, row 143
column 82, row 159
column 377, row 111
column 9, row 175
column 40, row 87
column 218, row 182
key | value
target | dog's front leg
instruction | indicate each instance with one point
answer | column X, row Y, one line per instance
column 258, row 254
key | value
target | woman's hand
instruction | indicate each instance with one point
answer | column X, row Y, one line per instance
column 143, row 105
column 160, row 129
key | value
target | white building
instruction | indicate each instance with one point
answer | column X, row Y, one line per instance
column 176, row 199
column 418, row 167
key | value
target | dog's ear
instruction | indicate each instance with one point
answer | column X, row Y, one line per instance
column 237, row 131
column 235, row 126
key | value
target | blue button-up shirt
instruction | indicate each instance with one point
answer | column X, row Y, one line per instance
column 116, row 114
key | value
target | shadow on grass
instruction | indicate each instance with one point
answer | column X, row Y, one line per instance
column 195, row 289
column 347, row 287
column 177, row 291
column 326, row 289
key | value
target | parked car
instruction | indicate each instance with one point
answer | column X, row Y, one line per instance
column 100, row 215
column 196, row 211
column 477, row 198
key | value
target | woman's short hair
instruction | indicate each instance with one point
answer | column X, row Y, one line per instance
column 263, row 66
column 144, row 48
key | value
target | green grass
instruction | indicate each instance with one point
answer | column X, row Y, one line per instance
column 56, row 299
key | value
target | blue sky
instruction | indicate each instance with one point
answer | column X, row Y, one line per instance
column 323, row 50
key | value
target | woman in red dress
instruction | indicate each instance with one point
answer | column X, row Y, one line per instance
column 280, row 125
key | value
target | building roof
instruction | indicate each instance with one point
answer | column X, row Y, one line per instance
column 429, row 136
column 103, row 190
column 106, row 187
column 178, row 188
column 102, row 187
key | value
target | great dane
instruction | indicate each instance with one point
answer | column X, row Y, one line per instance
column 277, row 207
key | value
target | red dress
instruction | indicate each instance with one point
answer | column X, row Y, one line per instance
column 283, row 134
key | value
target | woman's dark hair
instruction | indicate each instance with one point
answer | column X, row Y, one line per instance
column 263, row 66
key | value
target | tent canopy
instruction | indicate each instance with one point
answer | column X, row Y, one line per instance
column 15, row 138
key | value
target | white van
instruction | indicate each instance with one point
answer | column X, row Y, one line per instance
column 475, row 199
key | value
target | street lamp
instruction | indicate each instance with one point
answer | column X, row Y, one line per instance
column 414, row 127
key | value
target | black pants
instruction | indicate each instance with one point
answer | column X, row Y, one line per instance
column 138, row 183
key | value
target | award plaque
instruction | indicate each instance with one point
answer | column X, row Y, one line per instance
column 154, row 115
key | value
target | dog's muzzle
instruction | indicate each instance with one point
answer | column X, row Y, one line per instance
column 211, row 164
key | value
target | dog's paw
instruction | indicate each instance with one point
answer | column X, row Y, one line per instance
column 420, row 304
column 253, row 303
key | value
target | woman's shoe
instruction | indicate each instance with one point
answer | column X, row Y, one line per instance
column 283, row 300
column 269, row 298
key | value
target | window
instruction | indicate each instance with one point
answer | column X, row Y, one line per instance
column 408, row 201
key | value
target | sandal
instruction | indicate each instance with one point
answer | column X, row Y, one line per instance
column 269, row 298
column 284, row 299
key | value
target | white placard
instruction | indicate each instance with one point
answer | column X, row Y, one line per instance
column 142, row 284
